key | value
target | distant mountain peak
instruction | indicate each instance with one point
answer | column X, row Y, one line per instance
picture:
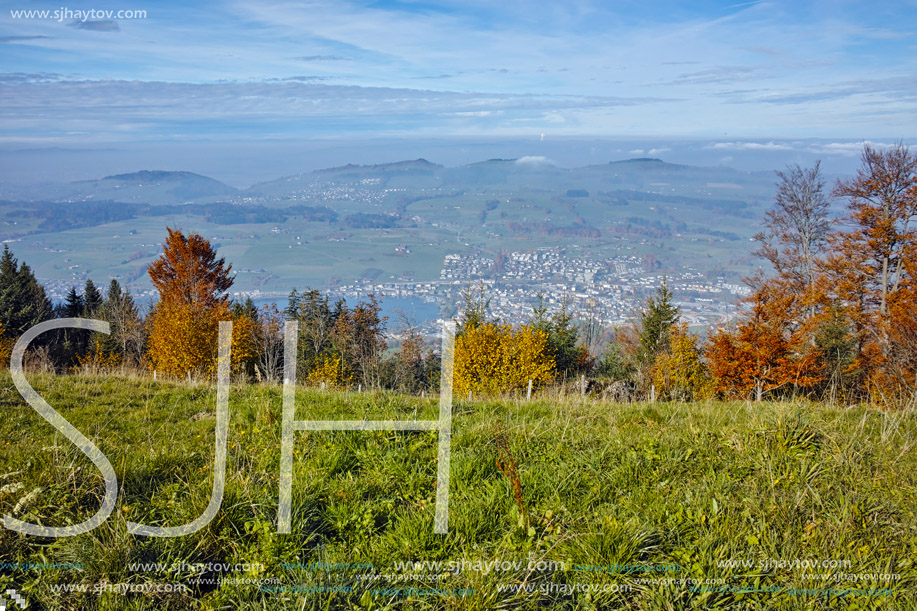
column 408, row 164
column 149, row 175
column 415, row 163
column 639, row 160
column 152, row 186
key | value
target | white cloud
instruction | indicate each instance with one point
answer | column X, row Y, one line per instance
column 845, row 149
column 534, row 160
column 749, row 146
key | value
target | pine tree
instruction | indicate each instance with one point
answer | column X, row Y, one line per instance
column 656, row 322
column 615, row 363
column 244, row 308
column 73, row 304
column 23, row 301
column 562, row 336
column 126, row 337
column 92, row 299
column 70, row 344
column 475, row 311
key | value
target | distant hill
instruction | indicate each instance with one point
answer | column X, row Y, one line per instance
column 155, row 187
column 639, row 160
column 412, row 173
column 416, row 165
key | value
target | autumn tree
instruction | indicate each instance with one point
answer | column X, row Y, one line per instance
column 796, row 229
column 413, row 367
column 189, row 272
column 128, row 335
column 6, row 347
column 493, row 358
column 269, row 344
column 183, row 325
column 679, row 373
column 870, row 270
column 763, row 356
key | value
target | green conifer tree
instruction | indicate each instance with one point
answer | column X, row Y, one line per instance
column 23, row 301
column 656, row 322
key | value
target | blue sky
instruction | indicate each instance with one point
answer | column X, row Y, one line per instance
column 735, row 72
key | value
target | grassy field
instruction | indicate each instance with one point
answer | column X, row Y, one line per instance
column 612, row 506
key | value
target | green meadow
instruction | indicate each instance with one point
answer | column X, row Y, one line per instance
column 555, row 503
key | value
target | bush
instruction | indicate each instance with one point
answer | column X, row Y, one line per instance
column 495, row 358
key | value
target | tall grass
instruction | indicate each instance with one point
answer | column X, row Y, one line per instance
column 564, row 479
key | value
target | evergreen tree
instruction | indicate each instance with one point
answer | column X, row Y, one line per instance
column 68, row 344
column 245, row 308
column 615, row 364
column 127, row 336
column 656, row 322
column 23, row 301
column 316, row 322
column 73, row 304
column 92, row 299
column 475, row 312
column 561, row 334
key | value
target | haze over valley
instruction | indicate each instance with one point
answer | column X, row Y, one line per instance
column 597, row 236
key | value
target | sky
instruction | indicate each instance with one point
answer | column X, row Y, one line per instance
column 250, row 73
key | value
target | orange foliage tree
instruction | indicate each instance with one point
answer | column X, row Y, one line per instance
column 764, row 354
column 183, row 325
column 870, row 272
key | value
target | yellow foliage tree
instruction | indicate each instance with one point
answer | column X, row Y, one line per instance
column 183, row 338
column 331, row 370
column 244, row 342
column 493, row 358
column 6, row 347
column 678, row 372
column 184, row 325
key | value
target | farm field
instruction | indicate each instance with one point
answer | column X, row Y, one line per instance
column 557, row 503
